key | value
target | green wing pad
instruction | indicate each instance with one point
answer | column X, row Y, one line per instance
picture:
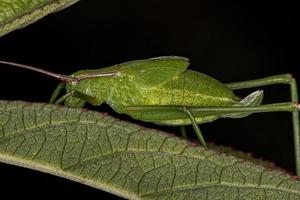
column 153, row 71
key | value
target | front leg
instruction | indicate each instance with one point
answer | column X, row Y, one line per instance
column 56, row 92
column 76, row 99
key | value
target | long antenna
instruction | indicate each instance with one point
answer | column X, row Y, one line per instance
column 61, row 77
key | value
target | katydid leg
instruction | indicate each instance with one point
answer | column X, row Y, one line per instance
column 271, row 80
column 175, row 112
column 279, row 79
column 183, row 132
column 63, row 98
column 56, row 92
column 77, row 94
column 195, row 126
column 85, row 97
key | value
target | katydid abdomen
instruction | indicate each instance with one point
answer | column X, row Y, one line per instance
column 190, row 88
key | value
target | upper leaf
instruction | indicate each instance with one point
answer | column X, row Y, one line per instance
column 16, row 14
column 129, row 160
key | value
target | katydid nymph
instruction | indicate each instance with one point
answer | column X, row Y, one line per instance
column 163, row 91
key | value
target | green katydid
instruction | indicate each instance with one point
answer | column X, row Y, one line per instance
column 163, row 91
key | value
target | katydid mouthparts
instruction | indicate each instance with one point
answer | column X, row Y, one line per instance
column 163, row 91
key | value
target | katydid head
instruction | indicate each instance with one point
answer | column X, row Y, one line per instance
column 83, row 86
column 92, row 86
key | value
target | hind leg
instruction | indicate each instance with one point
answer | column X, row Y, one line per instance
column 272, row 80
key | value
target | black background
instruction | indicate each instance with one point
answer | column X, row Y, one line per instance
column 228, row 40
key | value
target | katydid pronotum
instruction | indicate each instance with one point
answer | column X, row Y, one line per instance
column 163, row 91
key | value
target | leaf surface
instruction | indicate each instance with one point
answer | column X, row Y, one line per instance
column 129, row 160
column 16, row 14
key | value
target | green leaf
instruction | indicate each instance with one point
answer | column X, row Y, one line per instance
column 129, row 160
column 16, row 14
